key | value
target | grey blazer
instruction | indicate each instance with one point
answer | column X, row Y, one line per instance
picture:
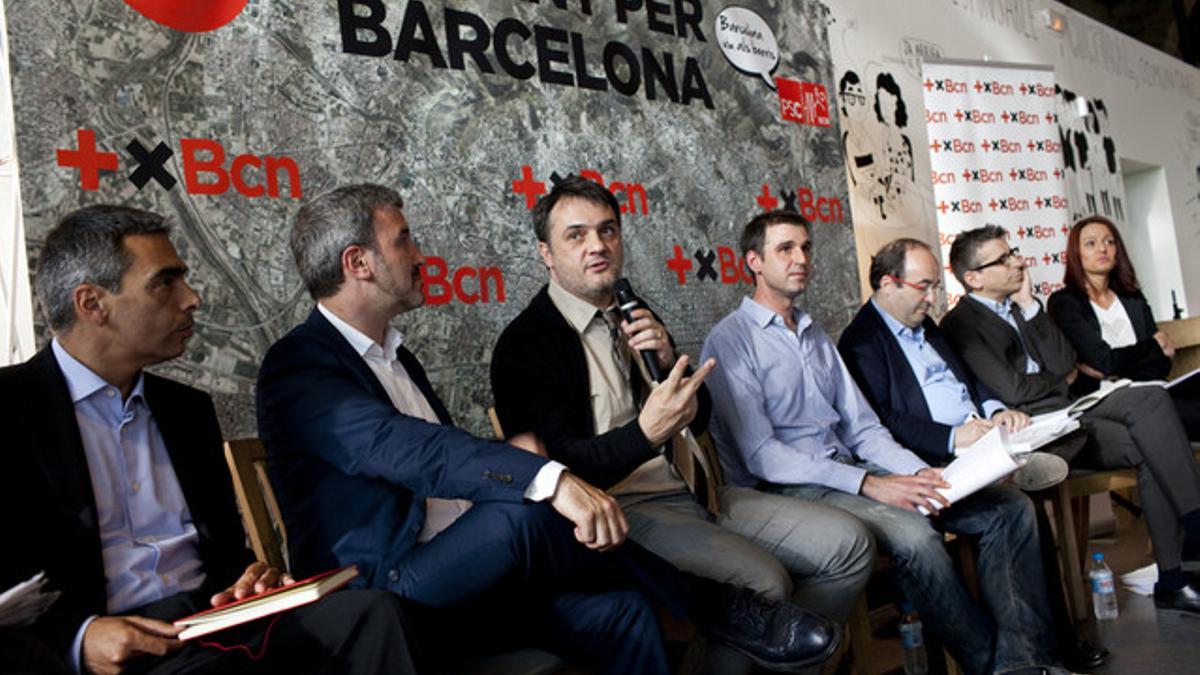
column 993, row 350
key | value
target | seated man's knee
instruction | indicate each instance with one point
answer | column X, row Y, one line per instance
column 913, row 540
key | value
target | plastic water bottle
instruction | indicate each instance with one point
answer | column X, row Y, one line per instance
column 1104, row 591
column 913, row 641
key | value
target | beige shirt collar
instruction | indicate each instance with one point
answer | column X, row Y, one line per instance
column 577, row 311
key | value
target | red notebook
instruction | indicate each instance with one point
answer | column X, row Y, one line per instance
column 265, row 604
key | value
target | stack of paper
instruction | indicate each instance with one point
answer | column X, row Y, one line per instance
column 22, row 604
column 1042, row 429
column 987, row 461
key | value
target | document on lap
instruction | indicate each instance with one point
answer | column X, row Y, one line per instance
column 1042, row 430
column 22, row 604
column 264, row 604
column 982, row 463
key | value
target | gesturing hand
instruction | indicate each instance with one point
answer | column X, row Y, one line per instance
column 672, row 403
column 599, row 521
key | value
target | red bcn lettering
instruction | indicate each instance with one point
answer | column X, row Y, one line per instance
column 433, row 277
column 194, row 166
column 488, row 283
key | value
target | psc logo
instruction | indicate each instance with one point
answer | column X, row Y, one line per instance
column 188, row 15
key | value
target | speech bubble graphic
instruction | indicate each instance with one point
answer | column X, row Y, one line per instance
column 747, row 42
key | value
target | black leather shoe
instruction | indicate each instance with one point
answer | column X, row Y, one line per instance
column 777, row 635
column 1183, row 599
column 1083, row 656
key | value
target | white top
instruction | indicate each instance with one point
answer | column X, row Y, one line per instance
column 1115, row 327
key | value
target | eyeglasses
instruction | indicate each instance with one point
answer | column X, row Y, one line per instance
column 851, row 97
column 1013, row 253
column 924, row 287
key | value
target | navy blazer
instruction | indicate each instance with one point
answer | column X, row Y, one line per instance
column 49, row 510
column 351, row 472
column 886, row 378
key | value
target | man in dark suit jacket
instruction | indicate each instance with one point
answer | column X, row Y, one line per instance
column 1012, row 345
column 562, row 371
column 116, row 487
column 358, row 441
column 932, row 402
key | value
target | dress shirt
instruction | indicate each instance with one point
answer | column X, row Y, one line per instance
column 609, row 386
column 408, row 400
column 1004, row 310
column 787, row 410
column 948, row 399
column 147, row 539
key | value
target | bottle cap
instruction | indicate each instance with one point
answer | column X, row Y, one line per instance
column 1097, row 556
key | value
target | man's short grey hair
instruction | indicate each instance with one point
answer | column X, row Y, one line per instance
column 330, row 223
column 88, row 247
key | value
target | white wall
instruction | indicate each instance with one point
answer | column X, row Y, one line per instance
column 1153, row 103
column 16, row 315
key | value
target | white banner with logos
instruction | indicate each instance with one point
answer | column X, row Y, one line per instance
column 996, row 158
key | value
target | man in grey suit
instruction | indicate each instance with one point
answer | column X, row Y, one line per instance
column 1012, row 345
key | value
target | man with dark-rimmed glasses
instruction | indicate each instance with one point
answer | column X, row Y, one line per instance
column 1014, row 347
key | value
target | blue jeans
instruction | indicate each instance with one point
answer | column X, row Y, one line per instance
column 1013, row 630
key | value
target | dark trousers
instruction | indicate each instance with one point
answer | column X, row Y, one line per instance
column 1138, row 427
column 350, row 631
column 23, row 654
column 507, row 575
column 1187, row 404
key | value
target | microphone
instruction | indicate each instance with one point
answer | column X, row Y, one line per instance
column 627, row 301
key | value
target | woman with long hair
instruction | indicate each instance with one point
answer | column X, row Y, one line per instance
column 1103, row 313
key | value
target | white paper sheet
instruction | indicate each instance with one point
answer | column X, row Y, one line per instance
column 985, row 462
column 25, row 602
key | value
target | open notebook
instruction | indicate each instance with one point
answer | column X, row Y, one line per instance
column 265, row 604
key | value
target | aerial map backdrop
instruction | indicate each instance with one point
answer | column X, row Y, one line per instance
column 696, row 115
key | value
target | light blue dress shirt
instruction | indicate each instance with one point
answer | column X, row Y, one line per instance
column 147, row 540
column 948, row 399
column 1004, row 310
column 785, row 408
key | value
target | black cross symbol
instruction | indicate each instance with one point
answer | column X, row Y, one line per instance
column 150, row 164
column 789, row 199
column 706, row 264
column 945, row 145
column 954, row 207
column 995, row 145
column 1003, row 205
column 1021, row 174
column 975, row 174
column 987, row 87
column 941, row 86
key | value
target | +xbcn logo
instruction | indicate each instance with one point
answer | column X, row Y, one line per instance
column 732, row 266
column 203, row 163
column 631, row 197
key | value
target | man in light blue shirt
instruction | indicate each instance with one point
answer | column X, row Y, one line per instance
column 115, row 485
column 788, row 416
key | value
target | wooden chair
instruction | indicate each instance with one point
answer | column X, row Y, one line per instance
column 247, row 459
column 268, row 538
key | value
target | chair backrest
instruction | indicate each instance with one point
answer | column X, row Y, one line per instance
column 495, row 420
column 247, row 459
